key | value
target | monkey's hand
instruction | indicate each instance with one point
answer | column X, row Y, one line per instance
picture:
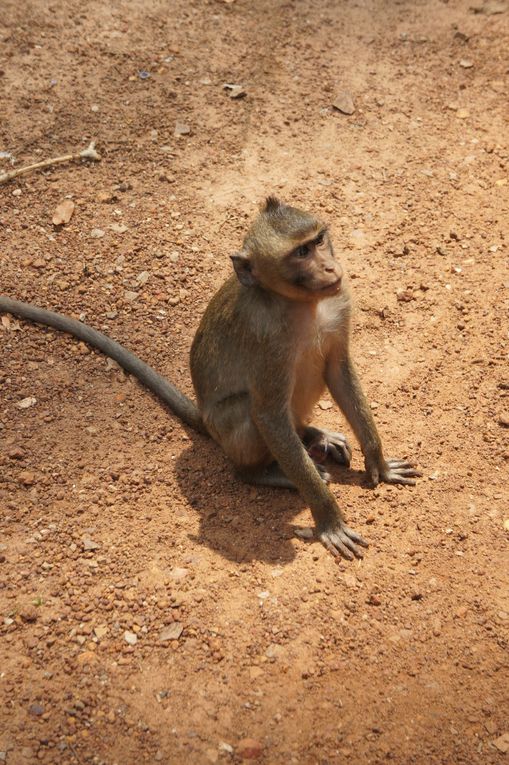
column 324, row 443
column 392, row 471
column 342, row 541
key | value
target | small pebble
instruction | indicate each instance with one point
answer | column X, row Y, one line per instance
column 502, row 743
column 343, row 102
column 249, row 749
column 173, row 632
column 118, row 228
column 181, row 129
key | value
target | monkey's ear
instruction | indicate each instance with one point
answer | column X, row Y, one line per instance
column 243, row 269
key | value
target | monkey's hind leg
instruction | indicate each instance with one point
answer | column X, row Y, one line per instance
column 231, row 425
column 321, row 444
column 272, row 475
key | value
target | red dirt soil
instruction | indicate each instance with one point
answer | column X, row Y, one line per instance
column 116, row 521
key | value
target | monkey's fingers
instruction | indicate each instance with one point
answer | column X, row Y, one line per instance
column 400, row 471
column 408, row 466
column 343, row 541
column 355, row 537
column 340, row 455
column 332, row 445
column 336, row 548
column 398, row 476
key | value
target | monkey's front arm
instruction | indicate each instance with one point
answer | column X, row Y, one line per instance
column 284, row 444
column 345, row 387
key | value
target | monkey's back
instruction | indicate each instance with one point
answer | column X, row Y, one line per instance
column 235, row 322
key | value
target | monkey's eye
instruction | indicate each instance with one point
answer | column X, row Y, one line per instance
column 320, row 239
column 302, row 251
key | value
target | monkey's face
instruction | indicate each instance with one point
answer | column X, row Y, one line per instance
column 289, row 252
column 313, row 269
column 309, row 272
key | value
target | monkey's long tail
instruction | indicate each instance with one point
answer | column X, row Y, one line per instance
column 182, row 406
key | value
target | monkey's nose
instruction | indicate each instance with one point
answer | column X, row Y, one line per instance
column 336, row 270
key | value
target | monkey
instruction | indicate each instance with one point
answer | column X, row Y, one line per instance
column 272, row 339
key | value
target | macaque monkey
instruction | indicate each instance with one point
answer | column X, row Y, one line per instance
column 274, row 336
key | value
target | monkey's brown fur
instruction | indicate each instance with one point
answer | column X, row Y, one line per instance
column 272, row 338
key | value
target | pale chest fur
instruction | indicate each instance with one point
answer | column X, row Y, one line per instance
column 318, row 332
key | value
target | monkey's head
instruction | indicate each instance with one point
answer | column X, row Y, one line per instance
column 289, row 252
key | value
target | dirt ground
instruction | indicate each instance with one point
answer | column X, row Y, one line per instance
column 153, row 609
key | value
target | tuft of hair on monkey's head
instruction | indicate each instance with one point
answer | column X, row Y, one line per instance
column 272, row 205
column 278, row 228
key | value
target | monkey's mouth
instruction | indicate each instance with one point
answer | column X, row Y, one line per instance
column 331, row 288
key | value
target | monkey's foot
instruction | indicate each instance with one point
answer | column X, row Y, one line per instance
column 394, row 471
column 342, row 541
column 325, row 443
column 324, row 475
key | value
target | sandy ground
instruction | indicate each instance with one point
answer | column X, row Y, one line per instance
column 153, row 609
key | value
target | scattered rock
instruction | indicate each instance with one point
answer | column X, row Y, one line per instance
column 274, row 651
column 405, row 296
column 374, row 600
column 26, row 403
column 26, row 478
column 87, row 657
column 119, row 228
column 503, row 420
column 89, row 544
column 36, row 710
column 325, row 405
column 101, row 631
column 179, row 573
column 105, row 196
column 63, row 213
column 234, row 91
column 343, row 102
column 16, row 453
column 181, row 129
column 502, row 743
column 97, row 233
column 173, row 632
column 490, row 7
column 249, row 749
column 466, row 63
column 130, row 296
column 130, row 637
column 29, row 614
column 143, row 277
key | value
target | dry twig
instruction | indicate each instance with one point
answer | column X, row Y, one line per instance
column 88, row 153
